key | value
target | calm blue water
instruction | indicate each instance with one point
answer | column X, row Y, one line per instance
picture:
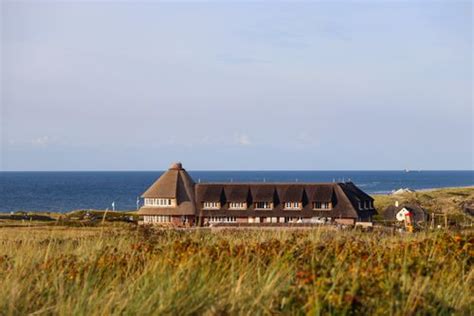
column 65, row 191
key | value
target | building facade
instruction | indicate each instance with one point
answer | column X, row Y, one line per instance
column 175, row 199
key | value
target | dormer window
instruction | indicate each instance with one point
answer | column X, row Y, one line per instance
column 164, row 202
column 263, row 205
column 237, row 205
column 322, row 205
column 292, row 206
column 211, row 205
column 160, row 202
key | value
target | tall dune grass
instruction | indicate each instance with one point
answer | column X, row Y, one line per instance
column 102, row 271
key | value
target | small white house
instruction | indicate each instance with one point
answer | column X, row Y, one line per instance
column 399, row 212
column 402, row 214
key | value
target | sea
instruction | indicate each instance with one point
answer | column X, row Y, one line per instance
column 66, row 191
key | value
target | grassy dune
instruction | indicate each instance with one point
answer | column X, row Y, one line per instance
column 449, row 200
column 127, row 270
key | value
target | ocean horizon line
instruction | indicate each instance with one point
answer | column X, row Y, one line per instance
column 250, row 170
column 67, row 190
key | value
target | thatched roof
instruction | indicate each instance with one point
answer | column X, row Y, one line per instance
column 263, row 193
column 174, row 184
column 291, row 193
column 177, row 184
column 278, row 193
column 210, row 193
column 320, row 192
column 355, row 192
column 418, row 213
column 165, row 187
column 237, row 193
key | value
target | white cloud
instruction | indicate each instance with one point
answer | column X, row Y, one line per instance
column 42, row 141
column 242, row 139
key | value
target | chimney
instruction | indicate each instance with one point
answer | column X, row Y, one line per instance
column 176, row 166
column 396, row 203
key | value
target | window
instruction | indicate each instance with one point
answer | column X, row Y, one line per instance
column 263, row 205
column 222, row 219
column 293, row 219
column 164, row 202
column 159, row 202
column 237, row 205
column 211, row 205
column 163, row 219
column 322, row 205
column 157, row 219
column 292, row 206
column 254, row 219
column 271, row 220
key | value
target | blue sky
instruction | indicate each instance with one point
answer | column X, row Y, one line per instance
column 310, row 86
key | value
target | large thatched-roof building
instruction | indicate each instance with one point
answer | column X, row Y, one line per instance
column 175, row 198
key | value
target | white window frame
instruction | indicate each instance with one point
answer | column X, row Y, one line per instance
column 222, row 219
column 293, row 219
column 159, row 202
column 266, row 205
column 211, row 205
column 292, row 206
column 237, row 205
column 155, row 219
column 324, row 206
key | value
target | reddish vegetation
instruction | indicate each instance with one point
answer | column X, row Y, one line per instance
column 134, row 271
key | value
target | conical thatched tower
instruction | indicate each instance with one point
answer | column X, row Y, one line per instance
column 170, row 198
